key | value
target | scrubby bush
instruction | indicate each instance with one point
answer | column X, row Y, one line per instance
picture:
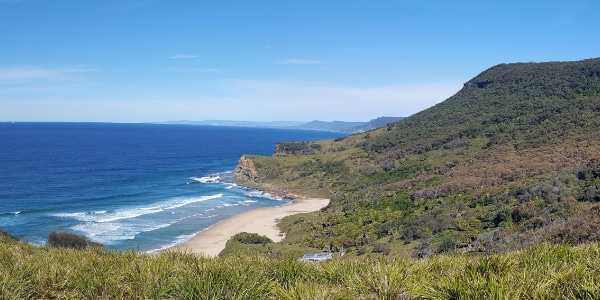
column 361, row 250
column 381, row 248
column 251, row 238
column 524, row 211
column 423, row 249
column 503, row 217
column 386, row 229
column 70, row 240
column 447, row 245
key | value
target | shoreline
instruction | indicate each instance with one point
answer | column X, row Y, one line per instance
column 263, row 221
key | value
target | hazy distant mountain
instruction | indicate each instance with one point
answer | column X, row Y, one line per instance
column 329, row 126
column 349, row 127
column 373, row 124
column 337, row 126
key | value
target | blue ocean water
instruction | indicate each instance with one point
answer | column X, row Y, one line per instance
column 128, row 186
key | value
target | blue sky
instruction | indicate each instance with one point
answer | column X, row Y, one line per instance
column 159, row 60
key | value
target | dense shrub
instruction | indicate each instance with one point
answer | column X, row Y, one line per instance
column 70, row 240
column 423, row 249
column 381, row 248
column 524, row 211
column 251, row 238
column 386, row 229
column 504, row 216
column 295, row 148
column 447, row 245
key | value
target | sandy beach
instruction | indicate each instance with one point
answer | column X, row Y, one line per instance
column 262, row 221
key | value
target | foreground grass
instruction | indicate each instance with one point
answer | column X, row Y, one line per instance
column 546, row 272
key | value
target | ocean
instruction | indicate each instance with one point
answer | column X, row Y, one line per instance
column 143, row 187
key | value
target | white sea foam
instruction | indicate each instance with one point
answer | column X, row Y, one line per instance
column 247, row 202
column 96, row 229
column 179, row 240
column 237, row 203
column 175, row 203
column 151, row 208
column 261, row 194
column 12, row 213
column 115, row 226
column 109, row 227
column 109, row 233
column 224, row 178
column 103, row 216
column 209, row 216
column 208, row 179
column 127, row 214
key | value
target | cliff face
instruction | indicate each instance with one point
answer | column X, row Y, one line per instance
column 245, row 174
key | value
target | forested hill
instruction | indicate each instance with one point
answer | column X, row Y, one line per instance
column 519, row 96
column 509, row 161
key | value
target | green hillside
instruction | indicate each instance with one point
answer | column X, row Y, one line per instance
column 510, row 161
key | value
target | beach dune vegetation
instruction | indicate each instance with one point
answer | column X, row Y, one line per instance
column 251, row 238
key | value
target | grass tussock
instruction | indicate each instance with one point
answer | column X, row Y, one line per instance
column 545, row 272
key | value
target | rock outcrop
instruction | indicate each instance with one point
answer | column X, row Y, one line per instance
column 246, row 174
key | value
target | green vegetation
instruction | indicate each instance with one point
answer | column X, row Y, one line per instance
column 251, row 238
column 7, row 235
column 70, row 240
column 510, row 161
column 545, row 272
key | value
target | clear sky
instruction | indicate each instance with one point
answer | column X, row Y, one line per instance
column 298, row 60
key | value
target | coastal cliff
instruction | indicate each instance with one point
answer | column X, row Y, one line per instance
column 245, row 174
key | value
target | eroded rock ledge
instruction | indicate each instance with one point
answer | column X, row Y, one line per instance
column 245, row 174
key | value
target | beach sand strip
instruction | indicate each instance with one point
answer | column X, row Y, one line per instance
column 211, row 241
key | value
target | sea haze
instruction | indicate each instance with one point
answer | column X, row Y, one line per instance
column 128, row 186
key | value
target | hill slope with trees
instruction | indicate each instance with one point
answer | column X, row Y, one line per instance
column 511, row 160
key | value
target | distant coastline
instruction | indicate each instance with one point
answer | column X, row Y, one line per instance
column 333, row 126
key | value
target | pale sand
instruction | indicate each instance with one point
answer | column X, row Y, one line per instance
column 262, row 221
